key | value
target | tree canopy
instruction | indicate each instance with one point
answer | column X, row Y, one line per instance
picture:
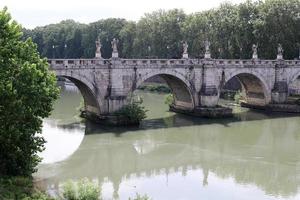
column 27, row 92
column 230, row 28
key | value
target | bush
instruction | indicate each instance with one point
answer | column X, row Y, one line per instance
column 20, row 188
column 140, row 197
column 237, row 97
column 169, row 99
column 133, row 113
column 82, row 190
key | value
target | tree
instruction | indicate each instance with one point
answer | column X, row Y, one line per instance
column 232, row 29
column 159, row 34
column 27, row 93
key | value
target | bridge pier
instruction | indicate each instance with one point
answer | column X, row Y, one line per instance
column 208, row 93
column 280, row 89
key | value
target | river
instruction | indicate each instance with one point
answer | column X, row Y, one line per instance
column 172, row 156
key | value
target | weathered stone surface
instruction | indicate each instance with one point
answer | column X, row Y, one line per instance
column 106, row 83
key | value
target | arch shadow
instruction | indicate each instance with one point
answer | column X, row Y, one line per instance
column 180, row 88
column 254, row 90
column 85, row 87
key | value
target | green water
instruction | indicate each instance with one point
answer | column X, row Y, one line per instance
column 172, row 156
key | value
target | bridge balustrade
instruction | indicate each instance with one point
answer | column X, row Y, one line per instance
column 88, row 63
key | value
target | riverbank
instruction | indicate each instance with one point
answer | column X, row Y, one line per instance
column 155, row 87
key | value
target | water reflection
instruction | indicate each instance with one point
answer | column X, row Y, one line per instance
column 251, row 156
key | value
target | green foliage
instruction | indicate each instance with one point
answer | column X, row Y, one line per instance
column 27, row 93
column 237, row 97
column 20, row 188
column 82, row 190
column 161, row 88
column 159, row 34
column 140, row 197
column 169, row 99
column 38, row 195
column 132, row 113
column 231, row 29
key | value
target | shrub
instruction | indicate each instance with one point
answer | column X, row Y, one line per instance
column 82, row 190
column 133, row 113
column 237, row 97
column 140, row 197
column 169, row 99
column 20, row 188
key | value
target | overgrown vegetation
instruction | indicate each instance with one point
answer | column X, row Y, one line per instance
column 140, row 197
column 238, row 97
column 20, row 188
column 133, row 113
column 81, row 190
column 27, row 93
column 169, row 99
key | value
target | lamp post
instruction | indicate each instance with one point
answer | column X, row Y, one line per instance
column 65, row 50
column 149, row 50
column 53, row 51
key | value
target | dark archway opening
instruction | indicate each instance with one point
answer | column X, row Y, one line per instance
column 246, row 89
column 167, row 91
column 90, row 103
column 294, row 91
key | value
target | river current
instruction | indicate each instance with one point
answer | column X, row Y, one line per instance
column 253, row 155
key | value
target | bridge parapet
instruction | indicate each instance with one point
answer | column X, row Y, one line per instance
column 245, row 62
column 76, row 63
column 88, row 63
column 155, row 62
column 292, row 63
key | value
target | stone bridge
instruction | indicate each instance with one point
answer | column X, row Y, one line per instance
column 106, row 84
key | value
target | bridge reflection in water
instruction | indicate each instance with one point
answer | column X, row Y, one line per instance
column 187, row 157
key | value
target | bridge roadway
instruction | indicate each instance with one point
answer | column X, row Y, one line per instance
column 195, row 83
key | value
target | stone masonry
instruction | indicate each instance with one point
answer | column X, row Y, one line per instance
column 196, row 83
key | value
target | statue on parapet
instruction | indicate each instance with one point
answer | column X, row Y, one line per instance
column 185, row 50
column 279, row 51
column 98, row 49
column 207, row 49
column 254, row 51
column 114, row 46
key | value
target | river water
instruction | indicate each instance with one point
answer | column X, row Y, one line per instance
column 172, row 156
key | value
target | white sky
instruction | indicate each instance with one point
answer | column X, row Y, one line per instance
column 32, row 13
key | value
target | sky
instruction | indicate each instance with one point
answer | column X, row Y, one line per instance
column 32, row 13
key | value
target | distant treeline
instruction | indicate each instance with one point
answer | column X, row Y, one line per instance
column 231, row 30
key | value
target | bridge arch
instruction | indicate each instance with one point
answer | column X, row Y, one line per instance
column 179, row 85
column 294, row 83
column 255, row 89
column 85, row 87
column 294, row 77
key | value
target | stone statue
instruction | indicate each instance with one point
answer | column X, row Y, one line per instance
column 207, row 45
column 185, row 50
column 207, row 49
column 98, row 49
column 185, row 47
column 254, row 50
column 114, row 46
column 279, row 52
